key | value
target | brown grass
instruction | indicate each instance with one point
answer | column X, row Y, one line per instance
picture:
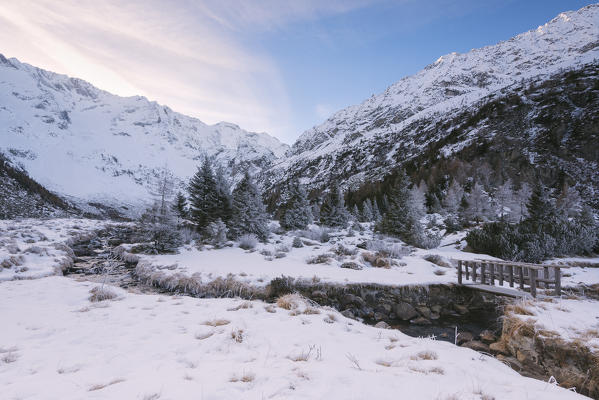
column 237, row 335
column 246, row 377
column 425, row 355
column 519, row 308
column 101, row 293
column 202, row 336
column 217, row 322
column 243, row 306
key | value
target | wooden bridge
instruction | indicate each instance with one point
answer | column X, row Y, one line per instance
column 488, row 272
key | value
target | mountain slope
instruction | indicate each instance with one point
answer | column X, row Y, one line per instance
column 92, row 146
column 367, row 142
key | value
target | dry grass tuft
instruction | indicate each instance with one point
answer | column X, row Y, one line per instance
column 425, row 355
column 270, row 308
column 237, row 335
column 246, row 378
column 519, row 308
column 330, row 318
column 243, row 306
column 104, row 385
column 311, row 310
column 217, row 322
column 101, row 293
column 384, row 363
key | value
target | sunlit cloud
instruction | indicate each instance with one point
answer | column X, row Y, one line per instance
column 186, row 54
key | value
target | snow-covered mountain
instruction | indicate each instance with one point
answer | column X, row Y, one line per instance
column 91, row 146
column 365, row 142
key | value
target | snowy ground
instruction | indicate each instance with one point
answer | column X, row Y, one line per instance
column 33, row 248
column 56, row 344
column 571, row 319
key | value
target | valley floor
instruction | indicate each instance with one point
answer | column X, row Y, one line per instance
column 56, row 344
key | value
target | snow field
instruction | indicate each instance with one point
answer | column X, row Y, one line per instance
column 56, row 344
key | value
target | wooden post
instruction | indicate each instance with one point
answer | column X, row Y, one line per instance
column 511, row 274
column 474, row 271
column 546, row 277
column 532, row 274
column 521, row 276
column 558, row 281
column 500, row 268
column 466, row 263
column 460, row 272
column 483, row 269
column 492, row 271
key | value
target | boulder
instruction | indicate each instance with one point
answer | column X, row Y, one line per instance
column 477, row 346
column 487, row 337
column 405, row 311
column 382, row 325
column 464, row 337
column 461, row 309
column 351, row 265
column 499, row 348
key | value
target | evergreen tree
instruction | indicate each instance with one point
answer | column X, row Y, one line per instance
column 203, row 197
column 179, row 207
column 376, row 213
column 333, row 211
column 249, row 213
column 296, row 211
column 452, row 199
column 367, row 214
column 540, row 207
column 355, row 213
column 419, row 199
column 569, row 201
column 399, row 218
column 223, row 196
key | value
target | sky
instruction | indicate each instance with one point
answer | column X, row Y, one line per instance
column 271, row 66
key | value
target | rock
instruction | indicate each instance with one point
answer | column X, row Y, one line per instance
column 379, row 316
column 420, row 321
column 477, row 346
column 351, row 265
column 382, row 325
column 436, row 309
column 405, row 311
column 499, row 348
column 348, row 314
column 461, row 309
column 435, row 316
column 464, row 337
column 425, row 311
column 487, row 337
column 319, row 294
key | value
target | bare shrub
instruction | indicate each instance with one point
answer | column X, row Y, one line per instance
column 101, row 293
column 387, row 249
column 248, row 241
column 319, row 234
column 297, row 242
column 325, row 258
column 342, row 250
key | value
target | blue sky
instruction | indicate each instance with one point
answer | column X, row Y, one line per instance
column 268, row 65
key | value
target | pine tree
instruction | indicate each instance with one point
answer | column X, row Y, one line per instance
column 223, row 196
column 333, row 211
column 179, row 207
column 399, row 218
column 376, row 213
column 355, row 213
column 296, row 211
column 540, row 207
column 203, row 197
column 249, row 213
column 367, row 214
column 569, row 201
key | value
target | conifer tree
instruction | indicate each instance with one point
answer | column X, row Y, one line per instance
column 367, row 214
column 355, row 212
column 399, row 218
column 179, row 207
column 296, row 211
column 452, row 200
column 376, row 213
column 333, row 212
column 249, row 213
column 223, row 196
column 203, row 196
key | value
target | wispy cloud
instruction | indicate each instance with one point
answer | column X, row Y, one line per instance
column 186, row 54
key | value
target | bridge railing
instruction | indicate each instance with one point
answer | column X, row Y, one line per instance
column 532, row 275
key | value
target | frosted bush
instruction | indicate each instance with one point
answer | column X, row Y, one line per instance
column 388, row 249
column 317, row 233
column 248, row 241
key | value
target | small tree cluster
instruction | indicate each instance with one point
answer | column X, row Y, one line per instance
column 332, row 211
column 296, row 212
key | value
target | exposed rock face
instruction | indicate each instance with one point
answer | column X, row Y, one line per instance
column 573, row 364
column 405, row 311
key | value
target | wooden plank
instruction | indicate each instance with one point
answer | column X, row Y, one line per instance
column 532, row 276
column 474, row 271
column 466, row 263
column 546, row 280
column 558, row 281
column 503, row 291
column 483, row 270
column 511, row 274
column 500, row 268
column 492, row 273
column 460, row 272
column 521, row 276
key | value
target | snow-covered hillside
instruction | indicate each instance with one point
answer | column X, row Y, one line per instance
column 389, row 125
column 90, row 145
